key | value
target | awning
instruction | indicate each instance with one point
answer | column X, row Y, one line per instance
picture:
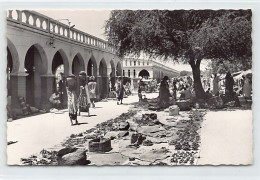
column 243, row 73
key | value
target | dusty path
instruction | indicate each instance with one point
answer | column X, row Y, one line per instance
column 226, row 138
column 47, row 130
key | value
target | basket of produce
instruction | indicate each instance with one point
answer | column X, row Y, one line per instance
column 100, row 145
column 71, row 82
column 184, row 105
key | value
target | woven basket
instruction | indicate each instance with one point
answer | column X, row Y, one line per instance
column 99, row 145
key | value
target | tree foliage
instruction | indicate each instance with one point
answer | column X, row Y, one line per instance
column 221, row 67
column 227, row 37
column 177, row 34
column 185, row 36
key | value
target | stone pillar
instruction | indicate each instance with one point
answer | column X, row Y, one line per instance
column 132, row 85
column 47, row 89
column 37, row 81
column 102, row 87
column 18, row 88
column 151, row 74
column 105, row 86
column 99, row 87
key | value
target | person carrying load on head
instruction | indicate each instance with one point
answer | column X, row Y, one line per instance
column 71, row 85
column 84, row 99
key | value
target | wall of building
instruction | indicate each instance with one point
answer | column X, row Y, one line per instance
column 75, row 52
column 156, row 70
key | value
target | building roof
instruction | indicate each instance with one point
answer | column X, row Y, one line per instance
column 153, row 62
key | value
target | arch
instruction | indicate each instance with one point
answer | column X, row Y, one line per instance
column 119, row 69
column 35, row 65
column 144, row 73
column 77, row 64
column 92, row 67
column 103, row 80
column 43, row 57
column 58, row 59
column 102, row 68
column 14, row 55
column 9, row 68
column 60, row 64
column 112, row 75
column 113, row 69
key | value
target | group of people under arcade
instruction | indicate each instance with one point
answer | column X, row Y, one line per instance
column 184, row 87
column 81, row 94
column 121, row 86
column 173, row 89
column 82, row 101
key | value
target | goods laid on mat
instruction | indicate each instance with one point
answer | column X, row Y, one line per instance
column 138, row 137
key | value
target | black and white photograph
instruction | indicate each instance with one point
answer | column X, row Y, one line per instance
column 122, row 87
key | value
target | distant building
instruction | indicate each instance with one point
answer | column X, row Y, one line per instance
column 147, row 69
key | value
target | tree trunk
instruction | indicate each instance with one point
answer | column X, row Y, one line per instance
column 199, row 91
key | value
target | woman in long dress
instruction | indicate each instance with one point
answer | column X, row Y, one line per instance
column 215, row 85
column 72, row 101
column 84, row 99
column 229, row 85
column 174, row 90
column 120, row 91
column 92, row 90
column 247, row 88
column 164, row 93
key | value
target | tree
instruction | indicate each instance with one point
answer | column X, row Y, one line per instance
column 185, row 36
column 222, row 67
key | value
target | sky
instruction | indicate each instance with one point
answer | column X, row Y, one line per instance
column 92, row 22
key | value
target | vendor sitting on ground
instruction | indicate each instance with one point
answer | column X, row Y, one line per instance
column 55, row 100
column 208, row 93
column 186, row 94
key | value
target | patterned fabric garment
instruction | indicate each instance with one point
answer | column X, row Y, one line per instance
column 72, row 102
column 84, row 100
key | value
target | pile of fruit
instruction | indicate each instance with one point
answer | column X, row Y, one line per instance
column 183, row 158
column 146, row 119
column 188, row 136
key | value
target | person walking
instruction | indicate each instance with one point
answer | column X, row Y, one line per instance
column 140, row 96
column 120, row 91
column 55, row 99
column 215, row 85
column 92, row 90
column 229, row 84
column 71, row 85
column 174, row 90
column 84, row 99
column 247, row 88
